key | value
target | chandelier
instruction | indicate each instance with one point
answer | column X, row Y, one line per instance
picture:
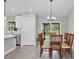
column 51, row 17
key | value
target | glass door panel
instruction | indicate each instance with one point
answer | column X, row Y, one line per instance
column 56, row 28
column 46, row 29
column 50, row 28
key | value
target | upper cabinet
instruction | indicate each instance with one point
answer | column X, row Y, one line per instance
column 9, row 23
column 18, row 20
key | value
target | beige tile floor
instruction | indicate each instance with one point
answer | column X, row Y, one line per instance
column 31, row 52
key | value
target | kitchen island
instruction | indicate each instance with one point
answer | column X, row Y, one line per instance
column 9, row 43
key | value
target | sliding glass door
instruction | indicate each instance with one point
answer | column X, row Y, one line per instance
column 55, row 28
column 50, row 28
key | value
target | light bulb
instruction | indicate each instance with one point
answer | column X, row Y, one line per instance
column 54, row 17
column 48, row 17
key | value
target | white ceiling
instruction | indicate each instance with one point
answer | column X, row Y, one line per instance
column 41, row 7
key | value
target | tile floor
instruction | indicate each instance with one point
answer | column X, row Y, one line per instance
column 31, row 52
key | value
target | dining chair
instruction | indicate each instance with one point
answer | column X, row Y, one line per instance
column 68, row 45
column 66, row 37
column 42, row 46
column 55, row 43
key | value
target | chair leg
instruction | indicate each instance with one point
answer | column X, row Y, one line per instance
column 71, row 52
column 68, row 51
column 50, row 52
column 61, row 53
column 41, row 52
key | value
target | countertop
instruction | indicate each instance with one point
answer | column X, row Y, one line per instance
column 13, row 32
column 9, row 36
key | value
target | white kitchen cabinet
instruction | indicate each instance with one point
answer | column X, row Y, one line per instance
column 28, row 25
column 18, row 21
column 9, row 43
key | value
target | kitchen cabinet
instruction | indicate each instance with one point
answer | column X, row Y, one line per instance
column 18, row 21
column 9, row 43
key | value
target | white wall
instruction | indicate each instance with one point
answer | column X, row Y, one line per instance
column 70, row 26
column 5, row 24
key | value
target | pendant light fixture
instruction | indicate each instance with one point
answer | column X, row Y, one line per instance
column 51, row 17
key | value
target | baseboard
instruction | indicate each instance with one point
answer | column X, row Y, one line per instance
column 28, row 45
column 7, row 52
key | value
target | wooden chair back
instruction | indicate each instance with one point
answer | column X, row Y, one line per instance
column 40, row 39
column 56, row 39
column 65, row 35
column 71, row 39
